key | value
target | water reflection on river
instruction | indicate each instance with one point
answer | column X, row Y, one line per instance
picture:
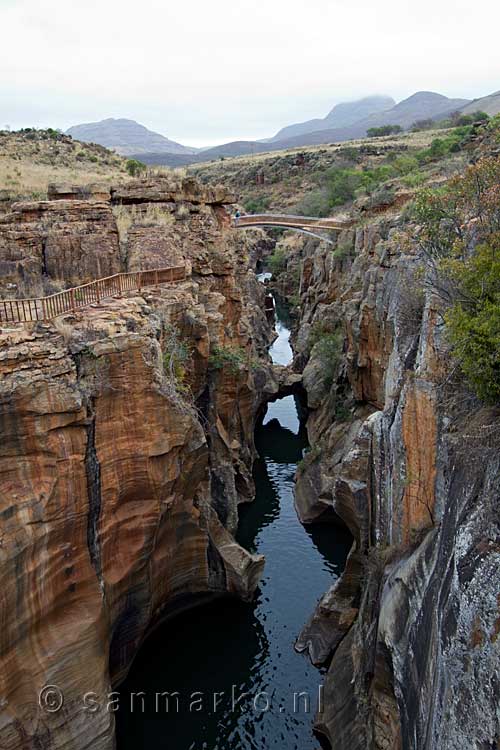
column 245, row 652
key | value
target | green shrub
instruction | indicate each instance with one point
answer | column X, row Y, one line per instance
column 441, row 147
column 328, row 349
column 349, row 153
column 473, row 321
column 344, row 249
column 477, row 116
column 277, row 261
column 318, row 331
column 494, row 126
column 460, row 237
column 414, row 179
column 405, row 164
column 176, row 356
column 340, row 185
column 452, row 121
column 383, row 130
column 258, row 205
column 232, row 358
column 326, row 344
column 315, row 203
column 134, row 167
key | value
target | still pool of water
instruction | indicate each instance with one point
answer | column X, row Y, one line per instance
column 233, row 665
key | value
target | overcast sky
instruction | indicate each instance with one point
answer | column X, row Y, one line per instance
column 208, row 72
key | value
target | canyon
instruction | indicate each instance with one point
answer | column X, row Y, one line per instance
column 408, row 460
column 128, row 449
column 119, row 496
column 412, row 625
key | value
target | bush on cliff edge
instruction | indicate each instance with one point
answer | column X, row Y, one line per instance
column 474, row 321
column 460, row 237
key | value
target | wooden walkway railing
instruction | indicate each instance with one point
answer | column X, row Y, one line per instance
column 70, row 300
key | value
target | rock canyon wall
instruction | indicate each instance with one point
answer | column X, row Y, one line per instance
column 127, row 444
column 410, row 464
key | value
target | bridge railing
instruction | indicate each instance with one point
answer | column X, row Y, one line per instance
column 70, row 300
column 290, row 220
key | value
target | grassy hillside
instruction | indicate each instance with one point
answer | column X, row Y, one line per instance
column 30, row 159
column 318, row 179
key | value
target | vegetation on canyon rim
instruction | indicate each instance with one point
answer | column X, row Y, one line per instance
column 460, row 238
column 340, row 185
column 456, row 225
column 31, row 158
column 317, row 180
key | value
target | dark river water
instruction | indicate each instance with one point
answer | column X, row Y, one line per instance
column 240, row 684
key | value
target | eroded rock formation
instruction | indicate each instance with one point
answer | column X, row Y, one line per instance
column 120, row 472
column 411, row 466
column 67, row 241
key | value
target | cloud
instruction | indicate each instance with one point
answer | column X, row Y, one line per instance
column 213, row 71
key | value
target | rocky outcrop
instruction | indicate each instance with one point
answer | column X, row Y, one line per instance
column 57, row 191
column 48, row 245
column 409, row 463
column 74, row 236
column 127, row 444
column 170, row 190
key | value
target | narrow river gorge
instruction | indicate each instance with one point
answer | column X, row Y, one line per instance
column 153, row 458
column 233, row 678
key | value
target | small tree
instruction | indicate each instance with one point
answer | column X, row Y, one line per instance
column 134, row 167
column 383, row 130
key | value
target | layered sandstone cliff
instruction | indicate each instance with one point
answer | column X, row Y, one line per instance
column 120, row 474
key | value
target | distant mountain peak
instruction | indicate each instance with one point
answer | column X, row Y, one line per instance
column 127, row 137
column 341, row 116
column 359, row 108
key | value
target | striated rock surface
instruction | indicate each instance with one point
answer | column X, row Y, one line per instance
column 404, row 459
column 74, row 237
column 63, row 241
column 66, row 191
column 127, row 444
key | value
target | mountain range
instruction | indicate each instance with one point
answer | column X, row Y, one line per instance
column 346, row 121
column 127, row 137
column 341, row 116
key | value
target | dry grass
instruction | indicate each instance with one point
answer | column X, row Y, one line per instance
column 28, row 164
column 150, row 215
column 420, row 139
column 178, row 172
column 66, row 330
column 23, row 179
